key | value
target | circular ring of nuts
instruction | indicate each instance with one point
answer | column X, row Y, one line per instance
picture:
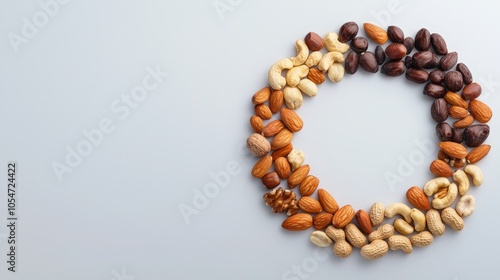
column 424, row 59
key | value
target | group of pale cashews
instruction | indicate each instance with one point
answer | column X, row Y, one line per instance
column 445, row 192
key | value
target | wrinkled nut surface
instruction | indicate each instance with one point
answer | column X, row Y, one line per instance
column 377, row 212
column 434, row 222
column 422, row 239
column 258, row 145
column 343, row 216
column 375, row 250
column 383, row 232
column 355, row 236
column 342, row 248
column 452, row 219
column 399, row 242
column 327, row 201
column 320, row 239
column 295, row 158
column 465, row 205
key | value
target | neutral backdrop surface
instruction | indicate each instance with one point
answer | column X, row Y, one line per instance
column 127, row 121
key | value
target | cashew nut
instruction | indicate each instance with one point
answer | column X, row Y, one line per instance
column 355, row 236
column 294, row 75
column 342, row 248
column 308, row 87
column 399, row 242
column 276, row 80
column 313, row 59
column 320, row 239
column 328, row 59
column 377, row 249
column 476, row 173
column 403, row 227
column 293, row 97
column 302, row 53
column 434, row 223
column 441, row 203
column 336, row 72
column 465, row 205
column 463, row 181
column 434, row 184
column 333, row 44
column 451, row 218
column 399, row 208
column 422, row 239
column 418, row 219
column 295, row 158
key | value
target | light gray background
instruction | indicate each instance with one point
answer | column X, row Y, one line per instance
column 116, row 216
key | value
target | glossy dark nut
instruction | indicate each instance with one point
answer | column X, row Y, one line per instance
column 409, row 44
column 439, row 44
column 434, row 90
column 395, row 34
column 423, row 40
column 448, row 61
column 408, row 62
column 436, row 76
column 462, row 68
column 417, row 75
column 453, row 80
column 439, row 110
column 471, row 91
column 476, row 134
column 380, row 55
column 434, row 63
column 422, row 59
column 395, row 51
column 314, row 42
column 351, row 63
column 359, row 44
column 393, row 68
column 368, row 62
column 348, row 31
column 457, row 135
column 444, row 131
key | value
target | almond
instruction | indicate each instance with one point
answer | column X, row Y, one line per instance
column 256, row 124
column 276, row 101
column 478, row 153
column 262, row 166
column 417, row 197
column 283, row 138
column 327, row 201
column 298, row 176
column 458, row 112
column 291, row 120
column 363, row 219
column 343, row 216
column 322, row 220
column 282, row 152
column 441, row 168
column 261, row 96
column 376, row 33
column 309, row 185
column 455, row 99
column 282, row 167
column 272, row 128
column 465, row 122
column 310, row 205
column 316, row 76
column 263, row 111
column 481, row 112
column 297, row 222
column 452, row 149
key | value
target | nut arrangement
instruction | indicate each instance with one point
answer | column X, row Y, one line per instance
column 461, row 128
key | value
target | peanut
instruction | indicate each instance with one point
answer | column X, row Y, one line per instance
column 475, row 172
column 375, row 250
column 319, row 238
column 302, row 53
column 403, row 227
column 463, row 181
column 377, row 213
column 342, row 248
column 422, row 239
column 355, row 236
column 383, row 232
column 451, row 196
column 451, row 218
column 434, row 222
column 398, row 208
column 399, row 242
column 418, row 219
column 276, row 80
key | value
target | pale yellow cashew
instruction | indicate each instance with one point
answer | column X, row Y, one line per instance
column 333, row 44
column 451, row 196
column 328, row 59
column 313, row 59
column 293, row 97
column 434, row 184
column 336, row 72
column 399, row 208
column 302, row 53
column 276, row 80
column 462, row 180
column 294, row 75
column 418, row 219
column 476, row 173
column 308, row 87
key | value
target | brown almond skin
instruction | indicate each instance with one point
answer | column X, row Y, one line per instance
column 444, row 131
column 423, row 40
column 396, row 34
column 276, row 101
column 453, row 80
column 439, row 110
column 481, row 112
column 282, row 152
column 359, row 44
column 256, row 124
column 422, row 59
column 309, row 185
column 348, row 31
column 462, row 68
column 395, row 51
column 393, row 68
column 368, row 62
column 297, row 222
column 471, row 91
column 439, row 44
column 351, row 63
column 478, row 153
column 436, row 76
column 284, row 170
column 327, row 201
column 476, row 134
column 272, row 128
column 418, row 198
column 298, row 176
column 440, row 168
column 364, row 222
column 343, row 216
column 313, row 41
column 380, row 54
column 434, row 90
column 322, row 220
column 448, row 61
column 409, row 44
column 419, row 76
